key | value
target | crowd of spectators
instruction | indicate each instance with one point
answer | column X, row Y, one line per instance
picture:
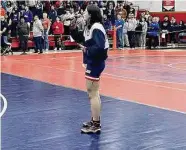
column 47, row 17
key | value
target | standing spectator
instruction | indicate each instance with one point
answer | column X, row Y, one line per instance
column 22, row 10
column 58, row 30
column 165, row 25
column 2, row 11
column 52, row 14
column 153, row 33
column 119, row 31
column 138, row 33
column 23, row 31
column 46, row 6
column 80, row 20
column 9, row 8
column 127, row 8
column 9, row 22
column 31, row 4
column 172, row 29
column 144, row 32
column 15, row 16
column 39, row 10
column 121, row 11
column 131, row 27
column 132, row 10
column 106, row 23
column 66, row 19
column 149, row 20
column 37, row 34
column 4, row 30
column 28, row 15
column 125, row 35
column 46, row 26
column 181, row 26
column 147, row 14
column 110, row 12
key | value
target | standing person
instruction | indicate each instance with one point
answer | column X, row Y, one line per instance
column 58, row 30
column 131, row 27
column 37, row 34
column 144, row 32
column 94, row 55
column 46, row 25
column 153, row 33
column 119, row 31
column 23, row 31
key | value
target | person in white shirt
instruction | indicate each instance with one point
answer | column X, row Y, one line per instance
column 131, row 27
column 38, row 34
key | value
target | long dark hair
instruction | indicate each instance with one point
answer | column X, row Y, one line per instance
column 95, row 15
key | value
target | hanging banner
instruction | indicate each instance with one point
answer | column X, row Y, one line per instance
column 168, row 5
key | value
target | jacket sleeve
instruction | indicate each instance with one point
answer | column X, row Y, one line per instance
column 77, row 36
column 99, row 43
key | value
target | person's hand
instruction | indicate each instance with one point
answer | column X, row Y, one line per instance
column 82, row 47
column 73, row 24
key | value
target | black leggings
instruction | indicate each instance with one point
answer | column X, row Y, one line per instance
column 131, row 37
column 155, row 43
column 58, row 42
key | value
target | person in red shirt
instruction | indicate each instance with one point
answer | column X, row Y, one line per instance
column 58, row 30
column 46, row 25
column 2, row 11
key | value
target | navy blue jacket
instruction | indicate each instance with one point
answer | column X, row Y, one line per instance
column 96, row 43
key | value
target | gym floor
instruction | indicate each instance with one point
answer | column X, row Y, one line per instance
column 143, row 102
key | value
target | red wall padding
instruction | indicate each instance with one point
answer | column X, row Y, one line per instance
column 178, row 15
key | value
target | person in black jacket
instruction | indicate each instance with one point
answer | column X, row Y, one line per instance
column 172, row 29
column 94, row 43
column 165, row 26
column 23, row 30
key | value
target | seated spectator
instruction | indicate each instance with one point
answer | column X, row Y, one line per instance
column 58, row 30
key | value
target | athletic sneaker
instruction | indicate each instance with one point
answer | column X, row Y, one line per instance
column 87, row 124
column 94, row 128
